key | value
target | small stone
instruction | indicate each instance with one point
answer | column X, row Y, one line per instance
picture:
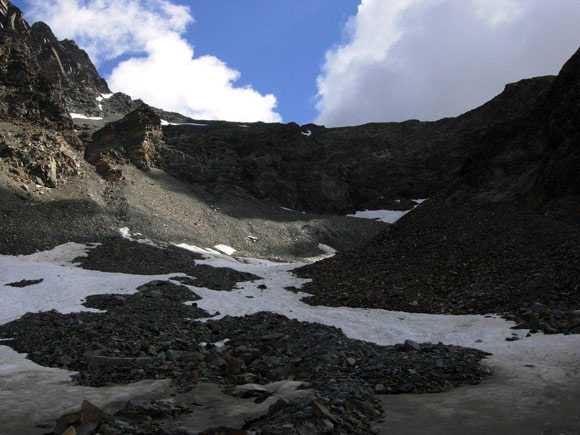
column 380, row 389
column 92, row 414
column 414, row 303
column 351, row 361
column 63, row 422
column 235, row 366
column 539, row 308
column 280, row 404
column 248, row 378
column 70, row 431
column 322, row 411
column 408, row 346
column 262, row 287
column 327, row 426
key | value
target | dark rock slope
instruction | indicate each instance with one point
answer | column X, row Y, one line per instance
column 504, row 237
column 535, row 159
column 341, row 169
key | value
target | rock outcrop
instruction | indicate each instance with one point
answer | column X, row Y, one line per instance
column 136, row 138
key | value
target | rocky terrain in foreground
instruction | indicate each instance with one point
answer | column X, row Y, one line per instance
column 142, row 188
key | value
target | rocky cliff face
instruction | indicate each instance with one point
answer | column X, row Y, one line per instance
column 25, row 94
column 342, row 169
column 64, row 64
column 534, row 159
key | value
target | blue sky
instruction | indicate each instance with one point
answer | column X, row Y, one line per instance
column 333, row 62
column 278, row 46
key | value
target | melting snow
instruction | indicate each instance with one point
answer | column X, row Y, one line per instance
column 80, row 116
column 388, row 216
column 27, row 388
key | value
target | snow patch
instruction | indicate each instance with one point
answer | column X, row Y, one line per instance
column 307, row 133
column 64, row 286
column 388, row 216
column 127, row 234
column 228, row 250
column 32, row 394
column 81, row 116
column 243, row 126
column 165, row 123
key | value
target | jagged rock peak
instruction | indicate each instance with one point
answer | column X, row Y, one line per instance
column 11, row 18
column 25, row 94
column 3, row 8
column 63, row 62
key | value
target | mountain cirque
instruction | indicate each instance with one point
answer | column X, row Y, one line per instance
column 499, row 235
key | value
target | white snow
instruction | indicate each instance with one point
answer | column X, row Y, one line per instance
column 307, row 133
column 164, row 123
column 388, row 216
column 106, row 96
column 29, row 393
column 538, row 362
column 243, row 126
column 64, row 286
column 127, row 234
column 32, row 394
column 228, row 250
column 80, row 116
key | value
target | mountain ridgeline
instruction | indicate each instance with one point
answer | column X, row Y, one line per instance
column 520, row 147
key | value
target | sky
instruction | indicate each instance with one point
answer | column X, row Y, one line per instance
column 333, row 62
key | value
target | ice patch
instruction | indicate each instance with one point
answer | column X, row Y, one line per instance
column 81, row 116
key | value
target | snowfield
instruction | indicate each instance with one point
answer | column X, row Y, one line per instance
column 538, row 364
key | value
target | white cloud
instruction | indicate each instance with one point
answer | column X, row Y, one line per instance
column 171, row 78
column 163, row 70
column 429, row 59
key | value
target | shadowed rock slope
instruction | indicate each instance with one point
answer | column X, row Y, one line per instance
column 503, row 238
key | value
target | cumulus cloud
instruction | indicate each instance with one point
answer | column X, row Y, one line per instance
column 162, row 69
column 428, row 59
